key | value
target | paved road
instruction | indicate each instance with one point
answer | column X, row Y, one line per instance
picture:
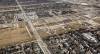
column 34, row 31
column 92, row 22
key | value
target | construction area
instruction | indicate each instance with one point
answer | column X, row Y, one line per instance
column 49, row 27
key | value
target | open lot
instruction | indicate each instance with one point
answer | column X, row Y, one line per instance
column 13, row 35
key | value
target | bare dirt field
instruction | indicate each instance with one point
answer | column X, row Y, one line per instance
column 10, row 36
column 97, row 19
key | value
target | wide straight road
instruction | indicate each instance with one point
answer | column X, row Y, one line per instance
column 29, row 25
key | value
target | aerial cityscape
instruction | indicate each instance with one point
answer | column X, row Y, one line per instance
column 49, row 26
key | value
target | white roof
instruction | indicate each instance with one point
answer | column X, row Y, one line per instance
column 89, row 36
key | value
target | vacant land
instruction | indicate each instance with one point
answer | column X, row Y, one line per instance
column 97, row 19
column 10, row 36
